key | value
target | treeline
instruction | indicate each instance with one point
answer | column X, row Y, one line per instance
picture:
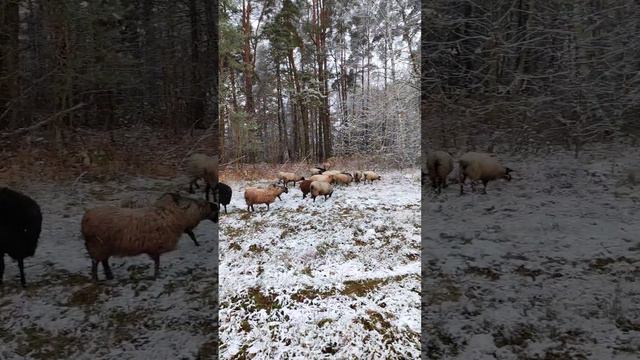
column 529, row 73
column 312, row 79
column 107, row 64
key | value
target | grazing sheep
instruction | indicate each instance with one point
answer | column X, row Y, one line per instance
column 305, row 187
column 321, row 188
column 287, row 177
column 200, row 166
column 483, row 167
column 317, row 170
column 357, row 176
column 439, row 165
column 20, row 226
column 254, row 195
column 325, row 178
column 224, row 195
column 112, row 231
column 327, row 164
column 370, row 175
column 332, row 172
column 343, row 178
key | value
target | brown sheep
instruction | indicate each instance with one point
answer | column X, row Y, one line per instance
column 287, row 177
column 112, row 231
column 370, row 175
column 305, row 187
column 343, row 178
column 254, row 195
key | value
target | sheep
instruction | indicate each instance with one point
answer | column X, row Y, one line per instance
column 317, row 170
column 325, row 178
column 254, row 195
column 327, row 164
column 154, row 230
column 370, row 175
column 439, row 165
column 224, row 194
column 20, row 226
column 287, row 177
column 200, row 166
column 321, row 188
column 332, row 172
column 357, row 176
column 305, row 187
column 279, row 189
column 343, row 178
column 483, row 167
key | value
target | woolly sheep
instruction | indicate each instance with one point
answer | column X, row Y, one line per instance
column 483, row 167
column 201, row 166
column 224, row 195
column 20, row 226
column 254, row 195
column 317, row 170
column 332, row 172
column 279, row 189
column 357, row 176
column 439, row 165
column 287, row 177
column 305, row 187
column 325, row 178
column 112, row 231
column 343, row 178
column 370, row 175
column 321, row 188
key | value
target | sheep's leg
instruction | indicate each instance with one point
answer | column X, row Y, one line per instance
column 107, row 269
column 21, row 266
column 225, row 208
column 484, row 188
column 193, row 182
column 267, row 207
column 1, row 267
column 192, row 236
column 156, row 265
column 279, row 198
column 462, row 179
column 94, row 270
column 206, row 191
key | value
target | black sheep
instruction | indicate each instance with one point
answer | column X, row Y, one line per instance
column 224, row 195
column 20, row 225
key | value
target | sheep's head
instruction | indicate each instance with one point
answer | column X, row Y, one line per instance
column 507, row 175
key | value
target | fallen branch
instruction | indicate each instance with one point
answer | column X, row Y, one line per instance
column 41, row 123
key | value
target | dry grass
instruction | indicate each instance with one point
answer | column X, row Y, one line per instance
column 98, row 155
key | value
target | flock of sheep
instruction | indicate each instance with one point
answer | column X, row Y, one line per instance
column 112, row 231
column 320, row 183
column 476, row 166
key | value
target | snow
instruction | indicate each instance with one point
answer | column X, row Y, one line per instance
column 544, row 266
column 325, row 279
column 62, row 314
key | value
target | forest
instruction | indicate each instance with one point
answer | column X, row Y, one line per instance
column 530, row 74
column 309, row 80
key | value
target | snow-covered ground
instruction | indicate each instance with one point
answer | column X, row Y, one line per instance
column 335, row 279
column 544, row 267
column 63, row 315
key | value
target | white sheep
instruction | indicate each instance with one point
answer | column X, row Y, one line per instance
column 112, row 231
column 483, row 167
column 325, row 178
column 321, row 188
column 370, row 175
column 343, row 178
column 439, row 165
column 201, row 166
